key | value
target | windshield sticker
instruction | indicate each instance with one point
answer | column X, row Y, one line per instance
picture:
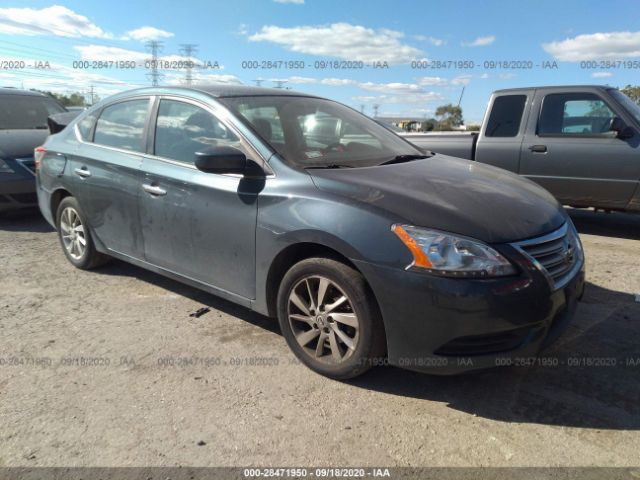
column 313, row 154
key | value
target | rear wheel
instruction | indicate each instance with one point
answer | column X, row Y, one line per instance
column 75, row 237
column 329, row 318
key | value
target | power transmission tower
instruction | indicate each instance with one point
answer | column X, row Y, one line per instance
column 279, row 83
column 188, row 50
column 258, row 81
column 375, row 110
column 362, row 108
column 155, row 47
column 91, row 95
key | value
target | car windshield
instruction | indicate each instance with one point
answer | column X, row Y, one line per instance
column 26, row 112
column 632, row 107
column 314, row 132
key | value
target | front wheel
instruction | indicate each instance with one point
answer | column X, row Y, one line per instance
column 330, row 319
column 75, row 237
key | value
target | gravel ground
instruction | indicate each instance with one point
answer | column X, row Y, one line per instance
column 243, row 399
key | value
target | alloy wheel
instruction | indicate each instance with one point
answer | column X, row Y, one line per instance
column 73, row 233
column 323, row 320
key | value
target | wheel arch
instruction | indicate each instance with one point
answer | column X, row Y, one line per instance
column 56, row 198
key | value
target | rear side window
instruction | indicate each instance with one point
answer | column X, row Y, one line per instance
column 26, row 112
column 574, row 114
column 122, row 125
column 86, row 125
column 183, row 129
column 506, row 116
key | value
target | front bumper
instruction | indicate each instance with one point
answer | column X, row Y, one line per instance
column 444, row 326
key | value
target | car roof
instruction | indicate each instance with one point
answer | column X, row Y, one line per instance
column 18, row 91
column 552, row 87
column 220, row 91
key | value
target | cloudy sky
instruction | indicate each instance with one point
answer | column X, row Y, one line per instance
column 233, row 38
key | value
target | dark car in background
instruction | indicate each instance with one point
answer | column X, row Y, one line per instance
column 23, row 127
column 366, row 249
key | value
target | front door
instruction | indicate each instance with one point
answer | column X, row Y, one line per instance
column 199, row 225
column 573, row 154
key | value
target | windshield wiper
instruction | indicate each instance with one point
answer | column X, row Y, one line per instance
column 331, row 165
column 404, row 158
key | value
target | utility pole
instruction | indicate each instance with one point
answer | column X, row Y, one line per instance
column 362, row 108
column 155, row 47
column 188, row 50
column 91, row 95
column 461, row 94
column 375, row 110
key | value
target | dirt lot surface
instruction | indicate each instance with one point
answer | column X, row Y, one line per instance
column 86, row 377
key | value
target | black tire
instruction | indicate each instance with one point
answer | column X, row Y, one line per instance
column 89, row 257
column 369, row 346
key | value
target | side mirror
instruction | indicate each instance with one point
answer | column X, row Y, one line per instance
column 221, row 159
column 622, row 130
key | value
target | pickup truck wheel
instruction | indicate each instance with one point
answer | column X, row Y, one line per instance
column 329, row 318
column 75, row 237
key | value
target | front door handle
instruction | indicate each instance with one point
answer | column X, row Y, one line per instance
column 83, row 172
column 538, row 148
column 154, row 190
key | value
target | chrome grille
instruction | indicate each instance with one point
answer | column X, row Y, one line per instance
column 556, row 254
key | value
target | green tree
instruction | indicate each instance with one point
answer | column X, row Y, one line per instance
column 449, row 116
column 73, row 100
column 633, row 92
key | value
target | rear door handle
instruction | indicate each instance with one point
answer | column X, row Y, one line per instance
column 83, row 172
column 538, row 148
column 154, row 190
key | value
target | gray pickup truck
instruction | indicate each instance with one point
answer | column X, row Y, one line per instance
column 582, row 143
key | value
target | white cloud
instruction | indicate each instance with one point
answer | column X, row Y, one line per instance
column 506, row 76
column 462, row 80
column 296, row 2
column 101, row 52
column 432, row 81
column 147, row 33
column 480, row 41
column 393, row 87
column 55, row 20
column 602, row 74
column 341, row 40
column 596, row 46
column 423, row 97
column 174, row 78
column 438, row 42
column 484, row 76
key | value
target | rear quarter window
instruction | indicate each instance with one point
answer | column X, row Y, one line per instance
column 85, row 127
column 506, row 116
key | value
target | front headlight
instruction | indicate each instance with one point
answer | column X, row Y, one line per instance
column 452, row 255
column 5, row 168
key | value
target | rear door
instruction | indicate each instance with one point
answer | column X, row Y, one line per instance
column 107, row 176
column 503, row 130
column 569, row 150
column 199, row 225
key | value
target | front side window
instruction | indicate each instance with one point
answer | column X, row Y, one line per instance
column 574, row 114
column 122, row 125
column 182, row 129
column 26, row 112
column 506, row 115
column 314, row 132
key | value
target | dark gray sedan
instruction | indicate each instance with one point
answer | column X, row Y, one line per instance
column 366, row 249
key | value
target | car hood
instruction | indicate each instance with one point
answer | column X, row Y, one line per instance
column 451, row 194
column 20, row 143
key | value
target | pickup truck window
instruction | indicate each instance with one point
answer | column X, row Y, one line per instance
column 506, row 115
column 574, row 114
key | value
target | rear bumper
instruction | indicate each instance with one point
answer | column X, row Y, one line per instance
column 17, row 192
column 445, row 326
